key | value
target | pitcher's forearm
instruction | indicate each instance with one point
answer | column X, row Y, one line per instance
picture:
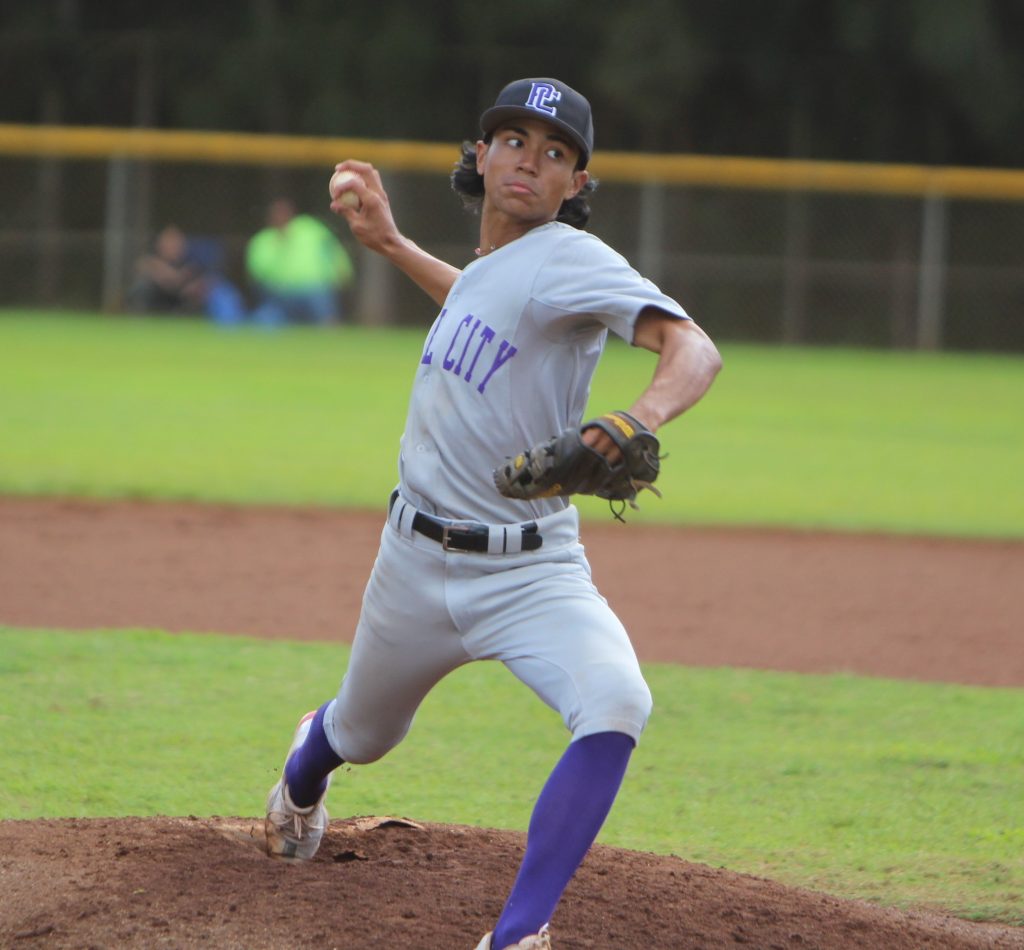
column 432, row 275
column 687, row 365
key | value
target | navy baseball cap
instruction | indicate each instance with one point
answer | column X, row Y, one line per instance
column 550, row 100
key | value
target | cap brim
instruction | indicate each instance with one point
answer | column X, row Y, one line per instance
column 494, row 117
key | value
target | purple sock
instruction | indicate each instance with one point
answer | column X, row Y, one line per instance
column 566, row 819
column 308, row 766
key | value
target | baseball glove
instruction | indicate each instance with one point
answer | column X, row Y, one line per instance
column 566, row 465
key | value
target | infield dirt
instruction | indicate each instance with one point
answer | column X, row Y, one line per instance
column 924, row 609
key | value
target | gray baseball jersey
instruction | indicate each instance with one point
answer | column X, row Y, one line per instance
column 508, row 363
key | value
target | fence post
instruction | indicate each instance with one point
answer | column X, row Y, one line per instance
column 796, row 268
column 651, row 239
column 48, row 221
column 375, row 289
column 115, row 226
column 931, row 283
column 48, row 232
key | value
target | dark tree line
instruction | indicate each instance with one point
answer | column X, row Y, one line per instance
column 924, row 81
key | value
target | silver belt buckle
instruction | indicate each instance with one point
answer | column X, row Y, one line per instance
column 445, row 535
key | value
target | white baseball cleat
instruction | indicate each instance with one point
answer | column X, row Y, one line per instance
column 537, row 941
column 294, row 832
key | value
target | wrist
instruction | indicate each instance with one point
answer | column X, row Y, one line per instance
column 646, row 417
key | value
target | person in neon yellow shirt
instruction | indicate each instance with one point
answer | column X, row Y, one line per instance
column 299, row 268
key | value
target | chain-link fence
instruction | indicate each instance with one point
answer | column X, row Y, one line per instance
column 768, row 252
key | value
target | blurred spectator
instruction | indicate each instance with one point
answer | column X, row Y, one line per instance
column 168, row 280
column 182, row 276
column 299, row 268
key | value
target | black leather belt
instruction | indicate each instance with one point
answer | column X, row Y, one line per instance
column 467, row 535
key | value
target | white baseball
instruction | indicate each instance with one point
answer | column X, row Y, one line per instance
column 349, row 199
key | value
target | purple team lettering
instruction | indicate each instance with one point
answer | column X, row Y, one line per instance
column 471, row 339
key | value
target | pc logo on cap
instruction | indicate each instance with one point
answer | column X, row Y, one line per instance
column 550, row 100
column 542, row 94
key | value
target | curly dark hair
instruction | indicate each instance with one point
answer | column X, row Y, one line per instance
column 468, row 184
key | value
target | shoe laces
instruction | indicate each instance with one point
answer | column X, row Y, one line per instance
column 301, row 820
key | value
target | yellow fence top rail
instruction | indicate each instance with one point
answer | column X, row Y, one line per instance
column 699, row 170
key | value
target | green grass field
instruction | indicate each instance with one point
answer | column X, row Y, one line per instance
column 903, row 793
column 927, row 443
column 889, row 791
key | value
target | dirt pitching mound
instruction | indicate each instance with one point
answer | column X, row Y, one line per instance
column 379, row 882
column 924, row 609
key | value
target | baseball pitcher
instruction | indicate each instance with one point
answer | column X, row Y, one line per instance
column 480, row 557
